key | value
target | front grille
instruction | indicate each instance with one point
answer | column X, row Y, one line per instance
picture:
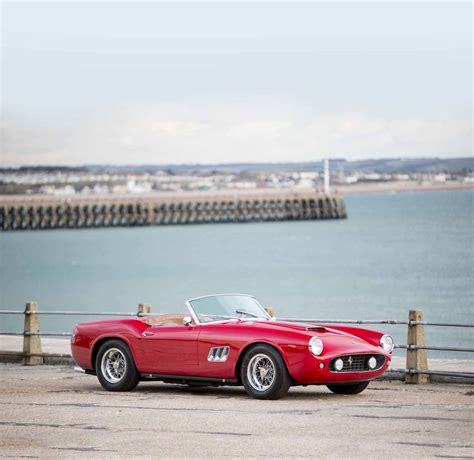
column 357, row 363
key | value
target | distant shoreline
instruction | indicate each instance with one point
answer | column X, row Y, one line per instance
column 399, row 187
column 355, row 189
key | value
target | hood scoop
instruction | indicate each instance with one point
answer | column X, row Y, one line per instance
column 316, row 329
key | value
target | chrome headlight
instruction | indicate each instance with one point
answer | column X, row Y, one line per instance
column 386, row 342
column 338, row 364
column 315, row 346
column 372, row 362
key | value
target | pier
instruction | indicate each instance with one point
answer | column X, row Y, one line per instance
column 32, row 212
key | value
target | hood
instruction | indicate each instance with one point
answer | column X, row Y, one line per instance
column 309, row 328
column 337, row 341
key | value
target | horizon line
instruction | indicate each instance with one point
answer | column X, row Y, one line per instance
column 235, row 163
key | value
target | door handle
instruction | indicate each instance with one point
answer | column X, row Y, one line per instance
column 147, row 333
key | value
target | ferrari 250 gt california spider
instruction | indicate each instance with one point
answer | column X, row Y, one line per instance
column 230, row 339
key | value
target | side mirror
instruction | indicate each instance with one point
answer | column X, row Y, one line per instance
column 187, row 321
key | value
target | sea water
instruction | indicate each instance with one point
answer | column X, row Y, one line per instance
column 395, row 252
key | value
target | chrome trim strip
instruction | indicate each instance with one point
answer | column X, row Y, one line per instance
column 185, row 378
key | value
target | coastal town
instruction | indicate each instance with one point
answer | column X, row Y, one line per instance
column 89, row 180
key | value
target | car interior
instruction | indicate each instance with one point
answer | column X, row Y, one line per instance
column 168, row 319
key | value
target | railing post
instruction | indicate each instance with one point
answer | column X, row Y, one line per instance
column 31, row 343
column 416, row 358
column 143, row 308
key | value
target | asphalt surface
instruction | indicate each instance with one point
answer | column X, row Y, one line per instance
column 51, row 411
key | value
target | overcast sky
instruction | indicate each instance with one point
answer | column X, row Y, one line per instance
column 230, row 82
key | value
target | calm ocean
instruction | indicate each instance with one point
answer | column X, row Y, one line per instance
column 393, row 253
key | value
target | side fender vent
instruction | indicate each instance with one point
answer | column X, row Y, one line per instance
column 218, row 354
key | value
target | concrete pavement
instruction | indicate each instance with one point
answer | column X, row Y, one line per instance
column 51, row 411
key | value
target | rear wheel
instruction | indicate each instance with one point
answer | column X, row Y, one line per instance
column 115, row 367
column 348, row 388
column 264, row 374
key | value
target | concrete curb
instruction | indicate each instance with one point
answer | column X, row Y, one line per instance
column 16, row 357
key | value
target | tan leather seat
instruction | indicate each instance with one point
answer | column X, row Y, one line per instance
column 169, row 319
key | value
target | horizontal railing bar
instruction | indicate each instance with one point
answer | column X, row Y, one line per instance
column 46, row 334
column 369, row 321
column 467, row 375
column 86, row 313
column 343, row 321
column 49, row 355
column 296, row 320
column 427, row 347
column 427, row 323
column 74, row 313
column 50, row 334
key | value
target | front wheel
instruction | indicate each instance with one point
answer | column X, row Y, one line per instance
column 115, row 367
column 349, row 388
column 264, row 374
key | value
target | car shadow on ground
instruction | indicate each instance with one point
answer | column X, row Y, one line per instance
column 220, row 392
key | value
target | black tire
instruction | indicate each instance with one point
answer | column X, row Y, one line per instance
column 349, row 388
column 129, row 377
column 281, row 381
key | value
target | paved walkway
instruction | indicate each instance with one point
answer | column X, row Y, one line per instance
column 51, row 411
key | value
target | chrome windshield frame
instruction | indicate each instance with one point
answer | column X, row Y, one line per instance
column 196, row 318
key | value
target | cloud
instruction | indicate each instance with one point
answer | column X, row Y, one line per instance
column 247, row 131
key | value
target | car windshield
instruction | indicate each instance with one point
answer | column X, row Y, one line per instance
column 227, row 306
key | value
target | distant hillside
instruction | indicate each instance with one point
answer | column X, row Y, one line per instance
column 390, row 165
column 394, row 165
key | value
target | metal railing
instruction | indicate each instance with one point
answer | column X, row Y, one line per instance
column 32, row 350
column 416, row 370
column 375, row 321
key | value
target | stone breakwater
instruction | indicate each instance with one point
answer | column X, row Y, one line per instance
column 24, row 212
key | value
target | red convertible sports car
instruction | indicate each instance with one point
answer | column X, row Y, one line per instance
column 229, row 339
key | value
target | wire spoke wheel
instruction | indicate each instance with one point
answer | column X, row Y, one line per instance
column 261, row 372
column 113, row 365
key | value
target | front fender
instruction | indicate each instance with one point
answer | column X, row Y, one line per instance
column 372, row 337
column 253, row 343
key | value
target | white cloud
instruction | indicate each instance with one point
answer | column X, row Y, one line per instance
column 228, row 132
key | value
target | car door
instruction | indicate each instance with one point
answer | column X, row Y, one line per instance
column 218, row 350
column 171, row 350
